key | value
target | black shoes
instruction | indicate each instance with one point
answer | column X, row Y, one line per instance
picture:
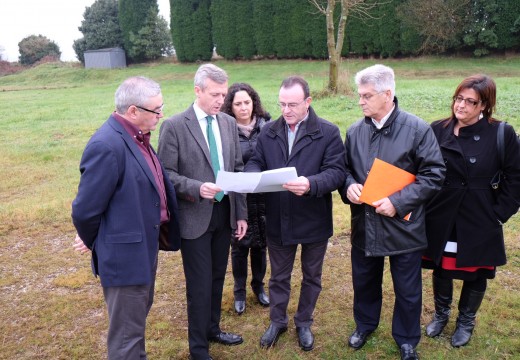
column 305, row 338
column 240, row 306
column 226, row 338
column 358, row 339
column 262, row 298
column 271, row 335
column 408, row 352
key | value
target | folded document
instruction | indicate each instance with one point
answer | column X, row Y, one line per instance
column 266, row 181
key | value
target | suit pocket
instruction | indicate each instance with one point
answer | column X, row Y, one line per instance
column 124, row 238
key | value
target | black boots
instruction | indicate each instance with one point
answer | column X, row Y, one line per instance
column 442, row 296
column 469, row 303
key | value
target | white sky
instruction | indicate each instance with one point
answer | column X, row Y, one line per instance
column 58, row 20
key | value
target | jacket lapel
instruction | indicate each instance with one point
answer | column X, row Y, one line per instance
column 134, row 150
column 192, row 123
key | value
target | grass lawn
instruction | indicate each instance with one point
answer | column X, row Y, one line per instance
column 51, row 307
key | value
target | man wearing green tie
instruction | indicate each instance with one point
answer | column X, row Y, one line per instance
column 193, row 146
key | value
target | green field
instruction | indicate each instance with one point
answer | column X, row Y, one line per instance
column 51, row 307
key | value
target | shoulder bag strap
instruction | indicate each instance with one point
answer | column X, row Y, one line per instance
column 500, row 143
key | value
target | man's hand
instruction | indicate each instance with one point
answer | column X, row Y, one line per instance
column 79, row 245
column 209, row 190
column 385, row 207
column 241, row 229
column 354, row 192
column 299, row 186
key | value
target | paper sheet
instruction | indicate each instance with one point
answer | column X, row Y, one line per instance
column 266, row 181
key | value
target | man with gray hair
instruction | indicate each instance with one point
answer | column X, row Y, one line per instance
column 393, row 226
column 193, row 146
column 125, row 211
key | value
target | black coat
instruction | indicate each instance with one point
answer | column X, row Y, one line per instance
column 466, row 200
column 407, row 142
column 255, row 235
column 317, row 154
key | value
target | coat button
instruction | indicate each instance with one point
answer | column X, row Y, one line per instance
column 472, row 160
column 156, row 227
column 463, row 183
column 476, row 137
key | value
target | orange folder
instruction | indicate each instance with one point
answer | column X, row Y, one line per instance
column 383, row 180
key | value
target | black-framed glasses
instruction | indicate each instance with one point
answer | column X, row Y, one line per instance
column 291, row 106
column 468, row 101
column 157, row 111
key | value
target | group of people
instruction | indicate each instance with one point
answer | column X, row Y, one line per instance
column 131, row 202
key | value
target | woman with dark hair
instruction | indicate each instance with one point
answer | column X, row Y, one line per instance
column 243, row 103
column 464, row 220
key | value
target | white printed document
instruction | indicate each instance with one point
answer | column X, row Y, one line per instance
column 266, row 181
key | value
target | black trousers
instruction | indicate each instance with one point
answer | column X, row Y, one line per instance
column 258, row 267
column 281, row 259
column 205, row 260
column 367, row 277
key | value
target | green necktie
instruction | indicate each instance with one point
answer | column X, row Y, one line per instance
column 213, row 153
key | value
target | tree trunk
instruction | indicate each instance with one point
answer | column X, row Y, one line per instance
column 335, row 46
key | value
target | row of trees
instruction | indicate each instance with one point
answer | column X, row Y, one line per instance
column 134, row 25
column 384, row 28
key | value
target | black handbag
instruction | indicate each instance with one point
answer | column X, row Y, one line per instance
column 499, row 175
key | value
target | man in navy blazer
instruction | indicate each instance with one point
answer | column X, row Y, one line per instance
column 125, row 210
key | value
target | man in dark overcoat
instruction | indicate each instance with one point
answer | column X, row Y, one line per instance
column 303, row 214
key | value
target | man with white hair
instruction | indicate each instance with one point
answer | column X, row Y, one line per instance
column 380, row 229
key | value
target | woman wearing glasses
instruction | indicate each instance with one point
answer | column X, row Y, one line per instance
column 243, row 103
column 464, row 220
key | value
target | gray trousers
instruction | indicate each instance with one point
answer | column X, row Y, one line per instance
column 128, row 307
column 281, row 259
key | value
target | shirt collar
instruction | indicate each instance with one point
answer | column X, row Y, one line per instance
column 381, row 123
column 297, row 126
column 201, row 114
column 133, row 130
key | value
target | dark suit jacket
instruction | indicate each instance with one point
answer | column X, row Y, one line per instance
column 117, row 209
column 317, row 154
column 185, row 155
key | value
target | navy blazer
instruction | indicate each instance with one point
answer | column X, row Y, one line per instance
column 117, row 209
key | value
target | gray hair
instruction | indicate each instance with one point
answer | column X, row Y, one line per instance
column 136, row 90
column 212, row 72
column 381, row 76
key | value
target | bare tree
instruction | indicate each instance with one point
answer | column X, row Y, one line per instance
column 335, row 39
column 437, row 21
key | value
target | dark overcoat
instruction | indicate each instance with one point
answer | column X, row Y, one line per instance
column 408, row 143
column 466, row 203
column 255, row 236
column 317, row 154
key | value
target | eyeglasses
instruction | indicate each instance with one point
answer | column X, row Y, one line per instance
column 468, row 101
column 157, row 111
column 291, row 106
column 367, row 97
